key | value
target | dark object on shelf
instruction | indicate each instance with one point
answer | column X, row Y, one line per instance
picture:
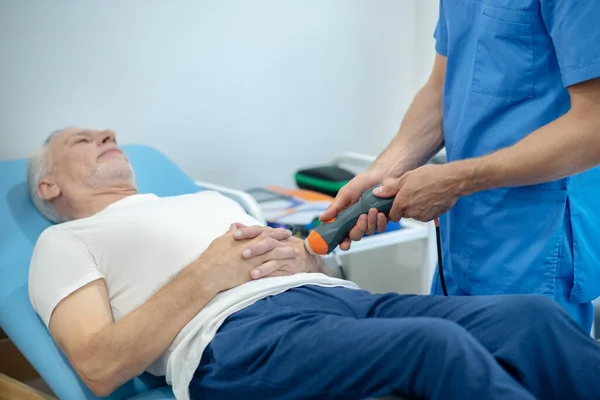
column 325, row 179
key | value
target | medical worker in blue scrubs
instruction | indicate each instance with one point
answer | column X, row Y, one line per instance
column 514, row 96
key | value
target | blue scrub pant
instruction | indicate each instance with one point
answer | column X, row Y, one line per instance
column 336, row 343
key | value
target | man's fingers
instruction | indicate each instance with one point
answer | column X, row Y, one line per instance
column 279, row 253
column 266, row 268
column 260, row 248
column 280, row 234
column 250, row 232
column 381, row 223
column 284, row 270
column 272, row 240
column 274, row 260
column 371, row 222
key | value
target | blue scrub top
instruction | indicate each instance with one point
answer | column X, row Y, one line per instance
column 509, row 64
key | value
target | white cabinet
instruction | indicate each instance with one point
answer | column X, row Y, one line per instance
column 401, row 261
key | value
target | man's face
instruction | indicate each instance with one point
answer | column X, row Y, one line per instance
column 91, row 158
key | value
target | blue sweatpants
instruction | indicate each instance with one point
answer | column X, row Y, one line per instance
column 336, row 343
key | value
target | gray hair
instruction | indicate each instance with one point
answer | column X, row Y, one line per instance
column 38, row 166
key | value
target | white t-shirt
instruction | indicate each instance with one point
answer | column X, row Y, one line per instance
column 137, row 245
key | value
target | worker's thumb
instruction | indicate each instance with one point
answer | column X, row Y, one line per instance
column 331, row 211
column 341, row 200
column 389, row 188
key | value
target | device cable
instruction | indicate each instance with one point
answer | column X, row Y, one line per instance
column 439, row 254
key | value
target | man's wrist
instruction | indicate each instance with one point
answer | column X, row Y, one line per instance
column 320, row 265
column 198, row 272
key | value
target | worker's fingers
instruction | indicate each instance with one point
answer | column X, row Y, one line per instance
column 250, row 232
column 389, row 188
column 371, row 221
column 359, row 230
column 381, row 222
column 340, row 202
column 345, row 245
column 398, row 208
column 347, row 195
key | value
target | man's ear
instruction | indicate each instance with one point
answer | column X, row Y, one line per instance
column 48, row 189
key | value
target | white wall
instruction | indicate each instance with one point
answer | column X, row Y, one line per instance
column 239, row 92
column 426, row 15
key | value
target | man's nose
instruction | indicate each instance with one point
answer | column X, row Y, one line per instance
column 107, row 136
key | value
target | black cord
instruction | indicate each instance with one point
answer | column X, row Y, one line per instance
column 439, row 254
column 340, row 265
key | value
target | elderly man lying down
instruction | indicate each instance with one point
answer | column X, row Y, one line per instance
column 193, row 288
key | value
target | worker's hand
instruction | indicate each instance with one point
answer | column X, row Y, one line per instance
column 424, row 193
column 367, row 224
column 229, row 267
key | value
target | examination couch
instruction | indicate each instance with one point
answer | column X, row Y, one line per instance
column 20, row 226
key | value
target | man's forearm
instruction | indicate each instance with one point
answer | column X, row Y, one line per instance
column 420, row 135
column 320, row 266
column 569, row 145
column 127, row 347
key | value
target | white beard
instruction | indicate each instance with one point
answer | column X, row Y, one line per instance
column 117, row 170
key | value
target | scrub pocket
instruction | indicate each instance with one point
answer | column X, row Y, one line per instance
column 584, row 206
column 514, row 241
column 504, row 57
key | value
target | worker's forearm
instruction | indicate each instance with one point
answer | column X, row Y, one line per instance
column 569, row 145
column 420, row 135
column 127, row 347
